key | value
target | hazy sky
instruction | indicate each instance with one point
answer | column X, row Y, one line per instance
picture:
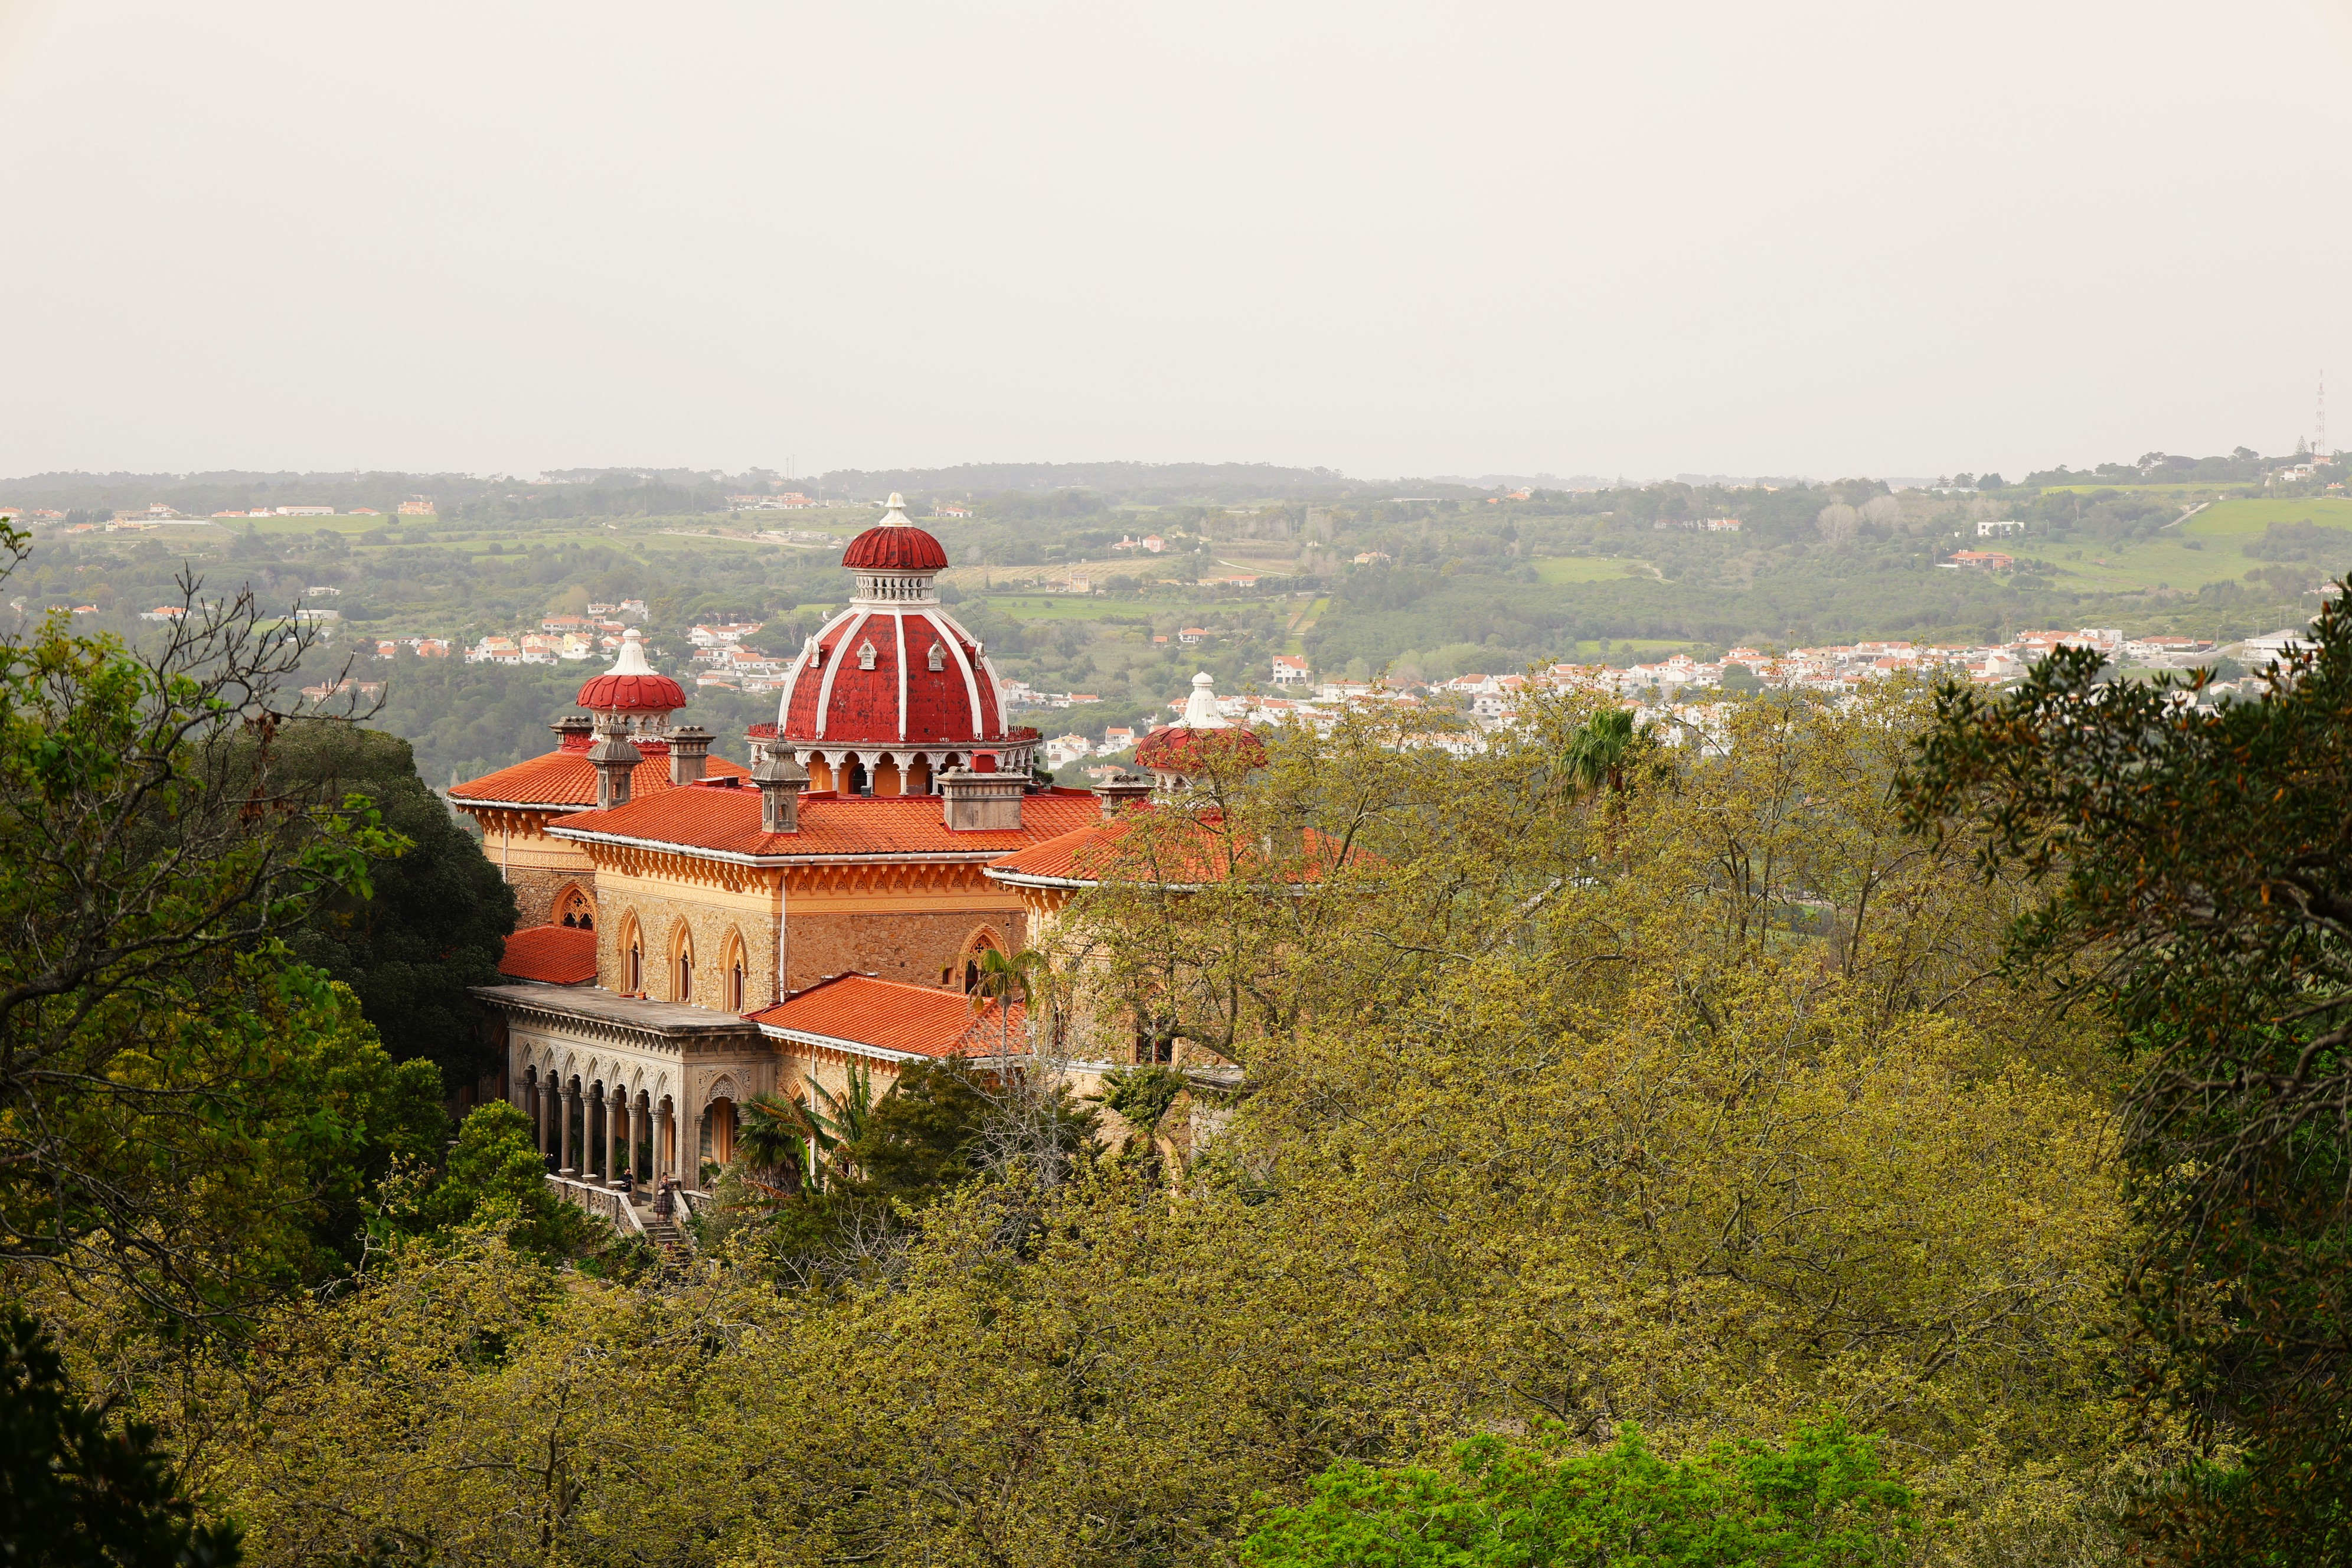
column 1819, row 237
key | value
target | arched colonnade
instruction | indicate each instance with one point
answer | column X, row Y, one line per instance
column 596, row 1119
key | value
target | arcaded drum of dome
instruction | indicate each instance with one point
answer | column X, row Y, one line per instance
column 631, row 686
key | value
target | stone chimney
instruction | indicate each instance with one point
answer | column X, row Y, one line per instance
column 689, row 753
column 615, row 761
column 573, row 732
column 982, row 802
column 1122, row 790
column 780, row 780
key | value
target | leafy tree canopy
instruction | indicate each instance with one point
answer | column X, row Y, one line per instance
column 435, row 913
column 1818, row 1502
column 2199, row 859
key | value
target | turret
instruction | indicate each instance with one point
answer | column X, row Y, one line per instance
column 780, row 780
column 615, row 761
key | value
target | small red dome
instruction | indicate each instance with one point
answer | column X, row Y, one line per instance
column 894, row 544
column 1179, row 749
column 895, row 547
column 631, row 686
column 633, row 694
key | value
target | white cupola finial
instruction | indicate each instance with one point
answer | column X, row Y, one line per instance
column 1201, row 707
column 633, row 655
column 893, row 514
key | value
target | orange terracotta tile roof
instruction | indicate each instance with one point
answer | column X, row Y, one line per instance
column 891, row 1016
column 722, row 819
column 1084, row 856
column 1189, row 854
column 554, row 955
column 567, row 778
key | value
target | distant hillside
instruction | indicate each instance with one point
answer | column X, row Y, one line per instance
column 1146, row 482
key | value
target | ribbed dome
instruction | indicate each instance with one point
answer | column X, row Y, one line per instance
column 1175, row 749
column 631, row 686
column 894, row 544
column 893, row 675
column 1201, row 736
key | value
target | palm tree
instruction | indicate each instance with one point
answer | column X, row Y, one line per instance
column 801, row 1136
column 1599, row 751
column 1006, row 981
column 772, row 1139
column 836, row 1122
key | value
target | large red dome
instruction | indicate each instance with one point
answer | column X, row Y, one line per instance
column 894, row 676
column 894, row 544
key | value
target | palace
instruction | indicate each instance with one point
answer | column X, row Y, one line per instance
column 696, row 932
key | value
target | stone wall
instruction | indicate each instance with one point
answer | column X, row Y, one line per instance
column 536, row 867
column 920, row 948
column 711, row 920
column 536, row 890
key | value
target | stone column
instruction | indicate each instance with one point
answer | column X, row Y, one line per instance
column 617, row 1134
column 543, row 1112
column 568, row 1099
column 664, row 1132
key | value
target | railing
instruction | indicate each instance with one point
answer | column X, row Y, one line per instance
column 609, row 1202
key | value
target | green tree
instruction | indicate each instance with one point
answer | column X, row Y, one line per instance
column 772, row 1141
column 495, row 1175
column 1599, row 748
column 1003, row 980
column 1818, row 1502
column 434, row 914
column 180, row 1105
column 924, row 1136
column 2199, row 863
column 77, row 1491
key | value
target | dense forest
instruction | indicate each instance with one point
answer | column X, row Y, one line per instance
column 1903, row 1132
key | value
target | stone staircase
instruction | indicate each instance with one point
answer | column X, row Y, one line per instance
column 669, row 1241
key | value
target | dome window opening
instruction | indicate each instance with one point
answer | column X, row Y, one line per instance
column 937, row 658
column 866, row 655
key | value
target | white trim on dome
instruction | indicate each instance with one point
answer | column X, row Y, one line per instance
column 901, row 620
column 791, row 684
column 971, row 681
column 832, row 669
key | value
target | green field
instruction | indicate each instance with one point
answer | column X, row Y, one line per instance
column 2220, row 487
column 1068, row 608
column 2239, row 519
column 1564, row 569
column 2207, row 548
